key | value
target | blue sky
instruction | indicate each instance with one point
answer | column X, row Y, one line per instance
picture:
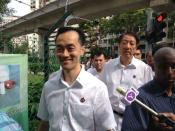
column 21, row 9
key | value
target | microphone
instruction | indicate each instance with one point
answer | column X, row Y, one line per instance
column 130, row 96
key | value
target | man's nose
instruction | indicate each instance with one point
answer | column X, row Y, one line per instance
column 65, row 52
column 98, row 62
column 171, row 70
column 128, row 45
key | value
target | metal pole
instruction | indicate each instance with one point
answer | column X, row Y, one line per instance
column 149, row 12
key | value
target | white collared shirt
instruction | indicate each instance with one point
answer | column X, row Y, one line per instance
column 94, row 72
column 83, row 106
column 115, row 74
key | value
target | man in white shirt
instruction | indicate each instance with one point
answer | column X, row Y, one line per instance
column 74, row 100
column 125, row 71
column 98, row 62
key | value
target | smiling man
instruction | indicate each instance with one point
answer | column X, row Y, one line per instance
column 74, row 100
column 125, row 71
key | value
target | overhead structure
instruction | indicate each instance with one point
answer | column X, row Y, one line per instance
column 42, row 19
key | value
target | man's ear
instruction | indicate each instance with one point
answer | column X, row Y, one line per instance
column 82, row 50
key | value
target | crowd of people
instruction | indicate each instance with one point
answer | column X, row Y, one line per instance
column 84, row 98
column 81, row 98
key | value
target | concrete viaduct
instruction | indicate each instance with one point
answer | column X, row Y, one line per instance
column 41, row 19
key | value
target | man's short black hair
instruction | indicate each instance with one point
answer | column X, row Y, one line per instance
column 66, row 29
column 98, row 52
column 130, row 34
column 139, row 48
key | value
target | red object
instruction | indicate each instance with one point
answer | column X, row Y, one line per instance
column 9, row 84
column 161, row 16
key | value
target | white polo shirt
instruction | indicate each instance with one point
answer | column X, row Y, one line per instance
column 94, row 72
column 83, row 106
column 115, row 74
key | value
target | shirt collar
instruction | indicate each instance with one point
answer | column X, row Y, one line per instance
column 81, row 79
column 159, row 90
column 79, row 82
column 131, row 65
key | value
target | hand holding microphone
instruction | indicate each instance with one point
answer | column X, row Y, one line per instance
column 130, row 96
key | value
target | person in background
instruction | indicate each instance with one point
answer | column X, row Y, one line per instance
column 8, row 124
column 98, row 62
column 89, row 63
column 125, row 71
column 74, row 100
column 149, row 59
column 158, row 94
column 108, row 57
column 138, row 53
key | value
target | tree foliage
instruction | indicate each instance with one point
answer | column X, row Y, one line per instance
column 21, row 48
column 4, row 10
column 134, row 21
column 128, row 21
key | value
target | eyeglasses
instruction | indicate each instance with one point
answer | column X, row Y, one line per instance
column 137, row 54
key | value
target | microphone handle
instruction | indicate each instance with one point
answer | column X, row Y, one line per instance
column 146, row 107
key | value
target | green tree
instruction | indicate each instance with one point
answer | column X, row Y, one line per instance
column 4, row 10
column 21, row 48
column 128, row 21
column 134, row 21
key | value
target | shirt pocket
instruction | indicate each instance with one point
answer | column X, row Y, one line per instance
column 82, row 115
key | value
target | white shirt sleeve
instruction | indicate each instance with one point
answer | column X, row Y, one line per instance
column 148, row 74
column 103, row 113
column 42, row 111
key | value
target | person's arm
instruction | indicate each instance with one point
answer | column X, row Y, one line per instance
column 44, row 126
column 43, row 113
column 104, row 117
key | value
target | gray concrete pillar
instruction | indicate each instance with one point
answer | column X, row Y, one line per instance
column 41, row 33
column 41, row 45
